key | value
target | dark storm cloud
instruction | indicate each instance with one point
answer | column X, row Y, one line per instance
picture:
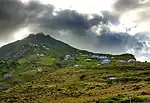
column 140, row 8
column 68, row 20
column 15, row 15
column 122, row 42
column 122, row 6
column 12, row 15
column 69, row 25
column 37, row 10
column 110, row 17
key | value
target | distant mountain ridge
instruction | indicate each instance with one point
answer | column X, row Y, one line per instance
column 39, row 44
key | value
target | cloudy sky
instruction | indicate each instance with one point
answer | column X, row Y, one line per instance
column 106, row 26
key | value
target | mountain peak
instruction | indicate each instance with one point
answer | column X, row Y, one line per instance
column 23, row 47
column 40, row 38
column 39, row 35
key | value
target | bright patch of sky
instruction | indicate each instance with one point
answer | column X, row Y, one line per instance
column 22, row 33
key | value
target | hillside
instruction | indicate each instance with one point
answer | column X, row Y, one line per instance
column 115, row 83
column 34, row 44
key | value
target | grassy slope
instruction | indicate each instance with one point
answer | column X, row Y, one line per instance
column 87, row 84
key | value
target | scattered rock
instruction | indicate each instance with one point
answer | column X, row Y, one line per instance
column 82, row 76
column 145, row 93
column 7, row 76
